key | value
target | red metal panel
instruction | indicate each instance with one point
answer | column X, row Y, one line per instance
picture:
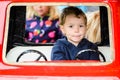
column 112, row 69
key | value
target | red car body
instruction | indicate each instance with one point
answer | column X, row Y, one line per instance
column 58, row 70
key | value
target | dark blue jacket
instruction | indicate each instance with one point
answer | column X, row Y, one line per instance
column 64, row 50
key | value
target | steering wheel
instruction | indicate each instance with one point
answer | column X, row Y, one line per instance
column 32, row 51
column 91, row 50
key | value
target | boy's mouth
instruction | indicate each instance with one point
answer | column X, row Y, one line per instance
column 76, row 35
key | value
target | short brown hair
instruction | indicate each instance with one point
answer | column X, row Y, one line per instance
column 72, row 10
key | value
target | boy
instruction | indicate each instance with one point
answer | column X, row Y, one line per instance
column 74, row 46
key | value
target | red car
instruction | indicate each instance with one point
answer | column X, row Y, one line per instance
column 21, row 59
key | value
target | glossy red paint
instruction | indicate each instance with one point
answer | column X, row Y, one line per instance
column 112, row 69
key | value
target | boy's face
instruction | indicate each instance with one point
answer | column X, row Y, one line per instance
column 74, row 29
column 41, row 10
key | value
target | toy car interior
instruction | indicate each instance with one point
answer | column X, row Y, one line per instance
column 17, row 49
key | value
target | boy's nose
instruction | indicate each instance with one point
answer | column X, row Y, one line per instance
column 76, row 29
column 40, row 6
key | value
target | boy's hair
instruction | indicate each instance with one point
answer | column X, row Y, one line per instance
column 30, row 12
column 71, row 10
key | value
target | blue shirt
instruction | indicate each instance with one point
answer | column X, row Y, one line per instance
column 64, row 50
column 42, row 30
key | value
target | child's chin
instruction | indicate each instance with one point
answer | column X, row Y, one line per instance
column 76, row 41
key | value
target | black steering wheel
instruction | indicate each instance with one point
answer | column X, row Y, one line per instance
column 32, row 51
column 91, row 50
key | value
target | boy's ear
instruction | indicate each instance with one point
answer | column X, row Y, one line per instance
column 61, row 28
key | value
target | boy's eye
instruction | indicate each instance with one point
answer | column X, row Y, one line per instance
column 70, row 26
column 81, row 26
